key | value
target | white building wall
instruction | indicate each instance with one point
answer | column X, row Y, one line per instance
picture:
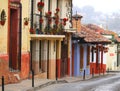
column 112, row 57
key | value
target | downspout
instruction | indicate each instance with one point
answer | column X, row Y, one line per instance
column 48, row 46
column 71, row 15
column 31, row 27
column 20, row 36
column 40, row 26
column 56, row 54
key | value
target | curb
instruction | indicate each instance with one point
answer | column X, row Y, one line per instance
column 47, row 84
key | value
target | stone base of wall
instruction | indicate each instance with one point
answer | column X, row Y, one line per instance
column 13, row 77
column 9, row 77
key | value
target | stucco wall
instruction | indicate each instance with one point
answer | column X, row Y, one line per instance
column 25, row 29
column 3, row 29
column 112, row 57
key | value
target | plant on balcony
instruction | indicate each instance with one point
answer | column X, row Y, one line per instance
column 56, row 21
column 64, row 21
column 57, row 10
column 41, row 20
column 40, row 6
column 60, row 28
column 32, row 31
column 26, row 21
column 48, row 28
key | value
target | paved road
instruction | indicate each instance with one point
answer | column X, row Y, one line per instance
column 101, row 84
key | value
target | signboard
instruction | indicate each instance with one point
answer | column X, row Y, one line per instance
column 111, row 54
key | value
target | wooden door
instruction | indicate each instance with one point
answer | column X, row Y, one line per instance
column 64, row 55
column 13, row 39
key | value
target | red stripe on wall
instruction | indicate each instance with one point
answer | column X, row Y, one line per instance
column 68, row 67
column 58, row 68
column 4, row 57
column 25, row 66
column 96, row 71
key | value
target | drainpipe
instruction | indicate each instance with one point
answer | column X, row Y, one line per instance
column 57, row 3
column 56, row 57
column 48, row 46
column 31, row 26
column 20, row 36
column 71, row 15
column 40, row 24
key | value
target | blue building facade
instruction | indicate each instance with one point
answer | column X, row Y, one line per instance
column 77, row 69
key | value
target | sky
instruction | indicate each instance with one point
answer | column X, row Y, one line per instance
column 104, row 6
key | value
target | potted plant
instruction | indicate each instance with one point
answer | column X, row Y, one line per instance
column 26, row 20
column 64, row 21
column 32, row 31
column 41, row 20
column 40, row 5
column 3, row 17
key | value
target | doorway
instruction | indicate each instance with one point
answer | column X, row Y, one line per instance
column 14, row 40
column 64, row 59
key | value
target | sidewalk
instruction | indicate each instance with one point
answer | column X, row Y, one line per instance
column 26, row 85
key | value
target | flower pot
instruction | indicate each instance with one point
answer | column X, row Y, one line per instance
column 26, row 23
column 32, row 31
column 2, row 22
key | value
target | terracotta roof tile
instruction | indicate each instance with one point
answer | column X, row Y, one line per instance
column 91, row 36
column 102, row 31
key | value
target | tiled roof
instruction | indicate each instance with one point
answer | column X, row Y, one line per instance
column 102, row 31
column 91, row 36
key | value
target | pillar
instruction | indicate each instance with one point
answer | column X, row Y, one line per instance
column 35, row 56
column 69, row 53
column 52, row 59
column 44, row 55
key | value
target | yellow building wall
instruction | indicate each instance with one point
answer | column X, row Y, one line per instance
column 4, row 29
column 25, row 29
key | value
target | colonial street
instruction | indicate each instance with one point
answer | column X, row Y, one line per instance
column 108, row 83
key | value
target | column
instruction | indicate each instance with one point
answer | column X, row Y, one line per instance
column 44, row 53
column 69, row 53
column 52, row 59
column 35, row 56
